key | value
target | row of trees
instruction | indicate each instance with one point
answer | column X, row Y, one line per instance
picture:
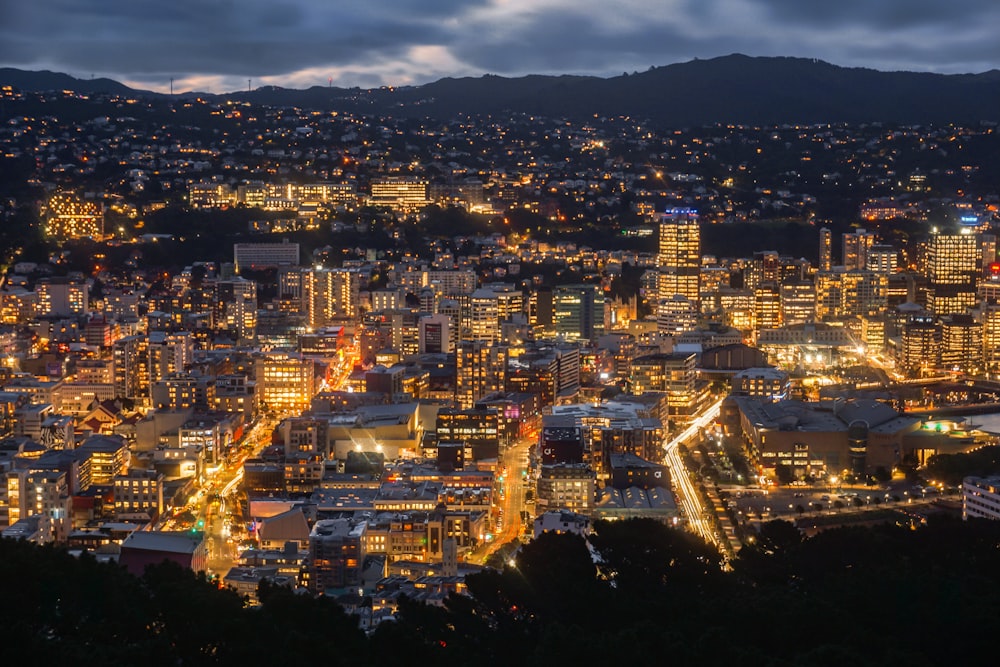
column 634, row 591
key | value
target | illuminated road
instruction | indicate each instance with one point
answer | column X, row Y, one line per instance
column 209, row 503
column 515, row 462
column 688, row 496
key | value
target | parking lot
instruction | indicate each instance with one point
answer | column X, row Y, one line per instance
column 789, row 502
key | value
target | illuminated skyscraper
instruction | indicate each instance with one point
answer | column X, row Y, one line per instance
column 961, row 344
column 825, row 249
column 856, row 245
column 286, row 383
column 798, row 302
column 490, row 306
column 578, row 311
column 850, row 293
column 882, row 259
column 479, row 370
column 680, row 255
column 331, row 294
column 953, row 266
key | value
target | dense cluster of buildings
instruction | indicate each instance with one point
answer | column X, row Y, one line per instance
column 385, row 390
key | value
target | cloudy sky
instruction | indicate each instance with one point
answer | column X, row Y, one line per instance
column 217, row 45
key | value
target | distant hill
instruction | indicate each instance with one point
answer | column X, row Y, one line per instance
column 45, row 80
column 729, row 89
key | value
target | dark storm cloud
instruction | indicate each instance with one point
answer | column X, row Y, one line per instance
column 889, row 34
column 390, row 41
column 880, row 15
column 257, row 37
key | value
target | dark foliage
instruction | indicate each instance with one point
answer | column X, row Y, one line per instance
column 638, row 591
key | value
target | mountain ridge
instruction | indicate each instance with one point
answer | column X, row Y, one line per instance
column 727, row 89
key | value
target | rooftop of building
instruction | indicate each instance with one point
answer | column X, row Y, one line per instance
column 181, row 542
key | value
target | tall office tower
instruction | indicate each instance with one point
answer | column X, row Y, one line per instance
column 452, row 309
column 987, row 252
column 856, row 245
column 850, row 293
column 765, row 268
column 130, row 367
column 236, row 307
column 767, row 306
column 286, row 384
column 331, row 294
column 920, row 350
column 680, row 255
column 578, row 311
column 883, row 259
column 168, row 353
column 479, row 369
column 490, row 306
column 989, row 316
column 676, row 315
column 405, row 331
column 291, row 283
column 798, row 302
column 434, row 336
column 953, row 268
column 484, row 316
column 737, row 306
column 428, row 300
column 825, row 249
column 961, row 344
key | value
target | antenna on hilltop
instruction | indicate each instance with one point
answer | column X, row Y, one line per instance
column 171, row 86
column 248, row 85
column 329, row 82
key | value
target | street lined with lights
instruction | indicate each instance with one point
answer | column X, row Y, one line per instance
column 690, row 499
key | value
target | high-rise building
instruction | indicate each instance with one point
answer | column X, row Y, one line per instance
column 767, row 306
column 330, row 294
column 921, row 345
column 882, row 259
column 434, row 336
column 167, row 354
column 130, row 367
column 674, row 374
column 236, row 307
column 286, row 383
column 842, row 294
column 336, row 553
column 798, row 302
column 490, row 306
column 479, row 370
column 825, row 249
column 679, row 255
column 953, row 267
column 856, row 245
column 676, row 314
column 578, row 311
column 961, row 343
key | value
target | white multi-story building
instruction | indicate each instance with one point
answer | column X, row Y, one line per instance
column 264, row 255
column 981, row 498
